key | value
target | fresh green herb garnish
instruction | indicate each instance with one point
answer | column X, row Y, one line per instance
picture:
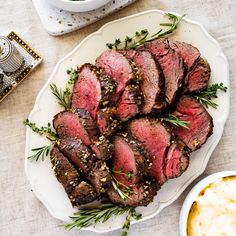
column 40, row 152
column 46, row 131
column 43, row 131
column 123, row 193
column 206, row 97
column 63, row 96
column 132, row 214
column 73, row 75
column 174, row 120
column 143, row 36
column 87, row 217
column 129, row 174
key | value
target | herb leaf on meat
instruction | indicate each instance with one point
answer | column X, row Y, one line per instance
column 87, row 217
column 174, row 120
column 205, row 97
column 143, row 36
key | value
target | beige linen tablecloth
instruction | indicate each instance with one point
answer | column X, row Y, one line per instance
column 20, row 211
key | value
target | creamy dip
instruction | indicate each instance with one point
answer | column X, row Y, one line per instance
column 214, row 211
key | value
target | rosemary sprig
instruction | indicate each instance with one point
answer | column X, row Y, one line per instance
column 143, row 36
column 174, row 120
column 43, row 131
column 87, row 217
column 63, row 96
column 206, row 97
column 40, row 152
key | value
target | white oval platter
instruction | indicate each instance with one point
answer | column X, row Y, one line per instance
column 43, row 182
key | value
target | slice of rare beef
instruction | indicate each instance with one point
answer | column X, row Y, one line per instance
column 87, row 90
column 88, row 123
column 172, row 66
column 130, row 161
column 152, row 84
column 118, row 67
column 139, row 195
column 156, row 139
column 92, row 89
column 129, row 103
column 93, row 169
column 177, row 159
column 198, row 77
column 78, row 124
column 67, row 124
column 189, row 53
column 200, row 122
column 78, row 191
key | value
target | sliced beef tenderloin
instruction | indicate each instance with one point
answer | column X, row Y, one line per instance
column 108, row 88
column 118, row 67
column 198, row 77
column 177, row 159
column 152, row 84
column 130, row 161
column 108, row 121
column 67, row 124
column 189, row 53
column 88, row 123
column 139, row 195
column 93, row 169
column 102, row 147
column 78, row 191
column 156, row 139
column 129, row 103
column 92, row 89
column 87, row 91
column 172, row 66
column 78, row 124
column 200, row 122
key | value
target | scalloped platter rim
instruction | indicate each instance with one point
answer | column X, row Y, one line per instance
column 42, row 180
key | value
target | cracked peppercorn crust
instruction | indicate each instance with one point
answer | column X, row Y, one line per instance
column 78, row 191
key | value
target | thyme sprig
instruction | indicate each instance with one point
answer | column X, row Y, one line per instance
column 144, row 36
column 174, row 120
column 87, row 217
column 40, row 152
column 63, row 96
column 43, row 130
column 206, row 97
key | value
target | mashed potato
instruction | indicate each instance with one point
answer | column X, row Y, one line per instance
column 214, row 211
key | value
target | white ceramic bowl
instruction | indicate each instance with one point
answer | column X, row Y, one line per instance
column 78, row 6
column 193, row 194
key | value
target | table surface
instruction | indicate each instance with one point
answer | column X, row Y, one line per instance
column 20, row 211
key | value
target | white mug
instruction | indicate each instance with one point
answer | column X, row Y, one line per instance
column 10, row 58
